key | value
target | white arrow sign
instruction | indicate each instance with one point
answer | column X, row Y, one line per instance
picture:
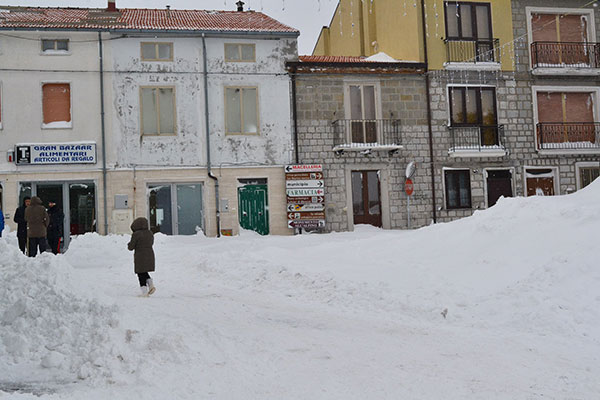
column 305, row 207
column 310, row 183
column 305, row 192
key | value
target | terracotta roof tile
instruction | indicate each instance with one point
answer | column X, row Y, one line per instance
column 139, row 19
column 333, row 59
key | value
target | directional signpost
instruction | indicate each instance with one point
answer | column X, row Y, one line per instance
column 305, row 190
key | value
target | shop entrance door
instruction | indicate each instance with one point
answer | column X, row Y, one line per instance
column 366, row 199
column 76, row 200
column 176, row 209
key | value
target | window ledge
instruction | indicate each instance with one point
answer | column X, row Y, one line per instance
column 56, row 53
column 562, row 70
column 476, row 66
column 473, row 153
column 568, row 151
column 367, row 146
column 58, row 125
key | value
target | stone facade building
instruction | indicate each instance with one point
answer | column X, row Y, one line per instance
column 512, row 90
column 364, row 121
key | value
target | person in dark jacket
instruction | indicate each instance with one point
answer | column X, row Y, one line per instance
column 1, row 222
column 141, row 243
column 37, row 224
column 55, row 227
column 19, row 218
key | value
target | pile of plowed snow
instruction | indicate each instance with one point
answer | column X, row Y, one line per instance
column 50, row 328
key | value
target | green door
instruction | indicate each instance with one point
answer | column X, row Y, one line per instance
column 254, row 208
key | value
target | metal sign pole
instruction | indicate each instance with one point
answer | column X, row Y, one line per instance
column 408, row 209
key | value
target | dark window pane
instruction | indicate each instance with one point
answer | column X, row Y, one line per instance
column 373, row 187
column 471, row 103
column 484, row 25
column 357, row 193
column 458, row 189
column 466, row 20
column 452, row 12
column 458, row 116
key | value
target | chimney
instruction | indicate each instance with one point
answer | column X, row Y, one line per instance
column 112, row 5
column 240, row 6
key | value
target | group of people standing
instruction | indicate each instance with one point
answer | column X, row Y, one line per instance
column 38, row 228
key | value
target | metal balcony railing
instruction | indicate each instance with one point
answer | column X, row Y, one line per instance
column 477, row 138
column 472, row 50
column 366, row 133
column 568, row 135
column 565, row 55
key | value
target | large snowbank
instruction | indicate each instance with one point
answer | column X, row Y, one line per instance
column 49, row 326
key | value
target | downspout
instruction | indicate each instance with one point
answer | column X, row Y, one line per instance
column 428, row 99
column 208, row 164
column 295, row 116
column 104, row 185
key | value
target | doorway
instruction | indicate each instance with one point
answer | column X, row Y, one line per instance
column 77, row 200
column 499, row 183
column 366, row 198
column 253, row 207
column 176, row 209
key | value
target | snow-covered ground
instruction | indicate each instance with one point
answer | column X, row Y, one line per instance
column 502, row 305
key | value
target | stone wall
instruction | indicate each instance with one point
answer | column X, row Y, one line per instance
column 320, row 101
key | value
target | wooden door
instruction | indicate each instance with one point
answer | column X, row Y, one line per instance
column 366, row 198
column 499, row 183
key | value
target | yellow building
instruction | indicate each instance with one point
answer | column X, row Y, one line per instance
column 457, row 33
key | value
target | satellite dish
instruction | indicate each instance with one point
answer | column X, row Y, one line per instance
column 410, row 169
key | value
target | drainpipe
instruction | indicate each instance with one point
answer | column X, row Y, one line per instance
column 104, row 189
column 208, row 166
column 295, row 116
column 428, row 99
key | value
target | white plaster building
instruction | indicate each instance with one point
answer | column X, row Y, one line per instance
column 160, row 95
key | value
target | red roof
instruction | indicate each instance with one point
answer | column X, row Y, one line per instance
column 139, row 19
column 333, row 59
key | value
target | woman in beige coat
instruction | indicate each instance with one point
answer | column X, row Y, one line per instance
column 141, row 243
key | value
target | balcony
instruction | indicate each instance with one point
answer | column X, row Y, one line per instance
column 479, row 54
column 366, row 135
column 572, row 136
column 477, row 141
column 552, row 58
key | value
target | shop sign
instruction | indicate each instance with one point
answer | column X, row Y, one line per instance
column 60, row 153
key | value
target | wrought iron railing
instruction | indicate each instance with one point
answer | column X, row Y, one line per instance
column 477, row 138
column 565, row 55
column 568, row 135
column 472, row 50
column 366, row 132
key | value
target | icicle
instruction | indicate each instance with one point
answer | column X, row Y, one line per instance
column 352, row 18
column 405, row 8
column 341, row 24
column 457, row 11
column 426, row 24
column 437, row 23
